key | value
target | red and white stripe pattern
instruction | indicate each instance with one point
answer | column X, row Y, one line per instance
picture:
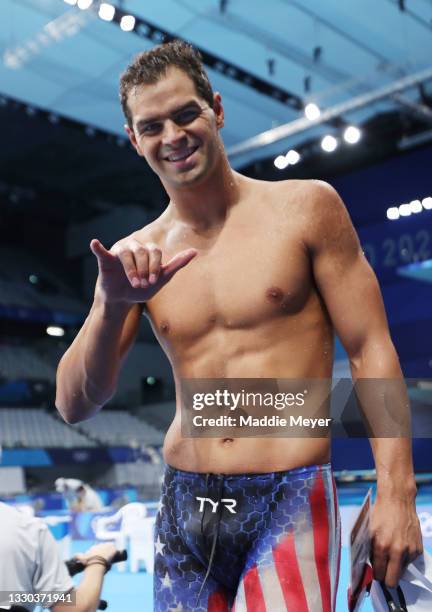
column 305, row 569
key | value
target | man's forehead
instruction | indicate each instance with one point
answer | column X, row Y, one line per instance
column 174, row 84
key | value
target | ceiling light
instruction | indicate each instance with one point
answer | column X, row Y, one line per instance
column 329, row 143
column 281, row 162
column 312, row 111
column 84, row 4
column 71, row 2
column 404, row 210
column 106, row 11
column 55, row 330
column 416, row 206
column 127, row 23
column 427, row 203
column 352, row 134
column 292, row 157
column 393, row 213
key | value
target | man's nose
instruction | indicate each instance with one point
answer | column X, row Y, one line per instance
column 172, row 133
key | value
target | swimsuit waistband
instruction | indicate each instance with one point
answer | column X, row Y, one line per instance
column 300, row 471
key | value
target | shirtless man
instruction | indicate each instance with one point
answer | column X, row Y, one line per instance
column 240, row 279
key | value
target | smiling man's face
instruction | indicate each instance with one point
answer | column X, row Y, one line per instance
column 175, row 129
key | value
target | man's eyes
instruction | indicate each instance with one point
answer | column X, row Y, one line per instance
column 151, row 128
column 182, row 118
column 186, row 116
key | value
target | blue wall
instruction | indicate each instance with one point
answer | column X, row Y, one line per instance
column 390, row 245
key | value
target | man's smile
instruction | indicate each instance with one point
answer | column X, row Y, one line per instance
column 181, row 155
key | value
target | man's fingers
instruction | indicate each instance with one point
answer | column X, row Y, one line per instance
column 98, row 249
column 155, row 258
column 394, row 570
column 129, row 265
column 177, row 262
column 379, row 568
column 105, row 259
column 142, row 265
column 415, row 552
column 379, row 563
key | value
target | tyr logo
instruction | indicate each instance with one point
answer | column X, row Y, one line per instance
column 230, row 504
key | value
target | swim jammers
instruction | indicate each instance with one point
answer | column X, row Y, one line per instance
column 247, row 542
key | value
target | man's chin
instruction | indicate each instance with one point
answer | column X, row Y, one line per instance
column 188, row 178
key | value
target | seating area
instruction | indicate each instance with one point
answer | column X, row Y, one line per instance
column 36, row 428
column 158, row 415
column 119, row 428
column 24, row 362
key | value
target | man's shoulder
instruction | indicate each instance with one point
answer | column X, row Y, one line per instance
column 150, row 233
column 302, row 198
column 311, row 190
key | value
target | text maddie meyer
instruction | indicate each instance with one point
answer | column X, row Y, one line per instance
column 264, row 421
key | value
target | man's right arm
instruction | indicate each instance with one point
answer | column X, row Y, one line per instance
column 130, row 274
column 88, row 372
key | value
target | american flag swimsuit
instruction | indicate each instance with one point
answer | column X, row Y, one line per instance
column 264, row 543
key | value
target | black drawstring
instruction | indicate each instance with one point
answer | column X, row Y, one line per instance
column 203, row 514
column 215, row 533
column 392, row 605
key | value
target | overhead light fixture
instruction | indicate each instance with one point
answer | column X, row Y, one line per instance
column 312, row 111
column 106, row 11
column 416, row 206
column 84, row 4
column 292, row 157
column 127, row 23
column 329, row 143
column 55, row 330
column 407, row 209
column 393, row 213
column 404, row 210
column 71, row 2
column 281, row 162
column 352, row 134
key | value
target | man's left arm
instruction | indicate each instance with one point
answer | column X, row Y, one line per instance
column 353, row 299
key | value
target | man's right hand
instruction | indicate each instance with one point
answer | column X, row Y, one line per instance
column 131, row 272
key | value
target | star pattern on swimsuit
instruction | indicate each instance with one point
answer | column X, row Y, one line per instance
column 166, row 582
column 159, row 546
column 178, row 608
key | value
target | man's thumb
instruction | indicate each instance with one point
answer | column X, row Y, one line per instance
column 98, row 249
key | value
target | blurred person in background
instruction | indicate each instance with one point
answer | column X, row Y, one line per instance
column 79, row 496
column 30, row 562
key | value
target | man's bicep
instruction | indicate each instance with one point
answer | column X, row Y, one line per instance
column 344, row 277
column 354, row 302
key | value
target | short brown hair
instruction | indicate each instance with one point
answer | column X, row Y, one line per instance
column 150, row 66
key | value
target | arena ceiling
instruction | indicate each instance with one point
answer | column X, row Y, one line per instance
column 363, row 62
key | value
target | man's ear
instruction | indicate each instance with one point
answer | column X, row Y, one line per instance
column 131, row 134
column 218, row 110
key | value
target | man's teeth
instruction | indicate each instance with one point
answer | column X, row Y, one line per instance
column 180, row 156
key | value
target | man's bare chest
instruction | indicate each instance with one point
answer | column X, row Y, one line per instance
column 238, row 282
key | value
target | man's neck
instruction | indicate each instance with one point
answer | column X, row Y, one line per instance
column 206, row 205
